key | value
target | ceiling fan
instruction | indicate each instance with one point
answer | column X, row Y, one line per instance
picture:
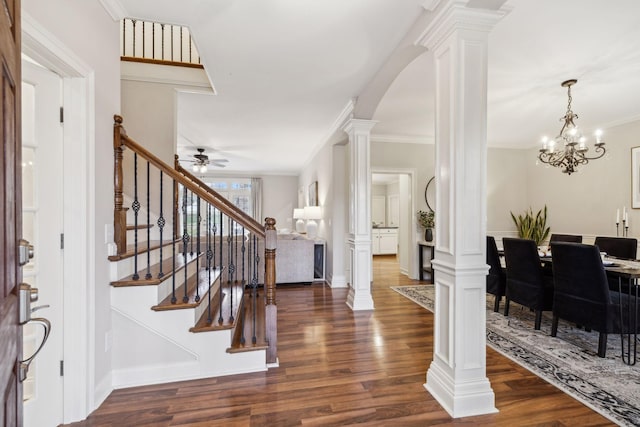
column 201, row 161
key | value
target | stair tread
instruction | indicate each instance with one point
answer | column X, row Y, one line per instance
column 139, row 227
column 142, row 249
column 203, row 285
column 167, row 268
column 237, row 346
column 203, row 325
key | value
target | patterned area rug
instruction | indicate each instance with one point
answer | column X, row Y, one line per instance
column 569, row 361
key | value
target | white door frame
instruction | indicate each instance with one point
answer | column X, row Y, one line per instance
column 79, row 215
column 413, row 241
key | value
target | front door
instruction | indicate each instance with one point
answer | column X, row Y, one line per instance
column 10, row 215
column 42, row 225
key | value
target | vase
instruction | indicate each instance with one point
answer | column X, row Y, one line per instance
column 428, row 234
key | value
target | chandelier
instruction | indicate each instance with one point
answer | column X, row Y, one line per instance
column 569, row 148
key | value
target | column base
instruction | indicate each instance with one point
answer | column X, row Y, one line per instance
column 462, row 399
column 359, row 300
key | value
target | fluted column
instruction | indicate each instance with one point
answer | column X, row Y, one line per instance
column 457, row 375
column 359, row 240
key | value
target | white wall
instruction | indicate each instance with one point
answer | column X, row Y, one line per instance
column 90, row 34
column 328, row 167
column 585, row 203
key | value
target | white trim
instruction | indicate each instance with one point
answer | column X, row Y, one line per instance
column 115, row 9
column 338, row 281
column 404, row 139
column 78, row 200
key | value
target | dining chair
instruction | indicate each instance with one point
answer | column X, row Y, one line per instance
column 581, row 291
column 527, row 284
column 497, row 278
column 619, row 247
column 565, row 238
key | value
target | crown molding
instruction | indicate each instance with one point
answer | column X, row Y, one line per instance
column 115, row 8
column 402, row 139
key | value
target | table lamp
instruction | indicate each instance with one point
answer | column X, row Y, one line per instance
column 299, row 215
column 311, row 213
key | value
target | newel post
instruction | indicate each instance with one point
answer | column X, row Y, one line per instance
column 119, row 211
column 271, row 309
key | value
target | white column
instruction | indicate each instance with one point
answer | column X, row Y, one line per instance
column 359, row 240
column 457, row 375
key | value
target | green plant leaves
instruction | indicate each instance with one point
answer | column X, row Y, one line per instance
column 532, row 226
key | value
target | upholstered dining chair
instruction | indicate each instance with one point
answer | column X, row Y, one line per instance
column 565, row 238
column 527, row 284
column 619, row 247
column 497, row 278
column 581, row 291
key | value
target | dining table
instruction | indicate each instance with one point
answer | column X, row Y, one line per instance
column 627, row 271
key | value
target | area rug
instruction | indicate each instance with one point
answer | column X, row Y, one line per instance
column 569, row 361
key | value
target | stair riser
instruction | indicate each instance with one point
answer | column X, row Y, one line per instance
column 185, row 356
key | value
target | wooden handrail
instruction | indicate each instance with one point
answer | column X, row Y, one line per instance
column 121, row 140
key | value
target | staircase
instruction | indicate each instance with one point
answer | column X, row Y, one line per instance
column 192, row 276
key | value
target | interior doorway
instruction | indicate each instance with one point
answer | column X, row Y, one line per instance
column 393, row 226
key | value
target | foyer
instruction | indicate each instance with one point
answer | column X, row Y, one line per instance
column 340, row 367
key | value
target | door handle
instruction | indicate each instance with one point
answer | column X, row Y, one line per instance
column 24, row 364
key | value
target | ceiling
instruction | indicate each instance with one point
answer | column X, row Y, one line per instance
column 286, row 71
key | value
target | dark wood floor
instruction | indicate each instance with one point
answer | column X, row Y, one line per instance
column 340, row 368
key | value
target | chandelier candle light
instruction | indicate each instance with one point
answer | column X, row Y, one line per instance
column 625, row 222
column 573, row 151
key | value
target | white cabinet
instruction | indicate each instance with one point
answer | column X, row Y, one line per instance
column 384, row 241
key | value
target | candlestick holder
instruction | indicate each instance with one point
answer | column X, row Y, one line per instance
column 617, row 229
column 626, row 231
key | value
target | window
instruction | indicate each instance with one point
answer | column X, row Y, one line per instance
column 236, row 190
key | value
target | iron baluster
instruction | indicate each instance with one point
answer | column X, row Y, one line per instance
column 181, row 43
column 220, row 319
column 124, row 37
column 191, row 224
column 255, row 287
column 209, row 256
column 172, row 30
column 174, row 199
column 153, row 40
column 162, row 42
column 133, row 33
column 198, row 251
column 185, row 242
column 143, row 40
column 148, row 275
column 242, row 251
column 161, row 223
column 136, row 209
column 231, row 269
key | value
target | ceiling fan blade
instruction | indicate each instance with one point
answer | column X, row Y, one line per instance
column 219, row 160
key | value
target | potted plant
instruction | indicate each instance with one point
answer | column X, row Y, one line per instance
column 532, row 226
column 426, row 219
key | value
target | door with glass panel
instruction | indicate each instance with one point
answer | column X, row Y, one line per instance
column 42, row 165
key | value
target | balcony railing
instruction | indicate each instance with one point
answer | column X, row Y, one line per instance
column 145, row 41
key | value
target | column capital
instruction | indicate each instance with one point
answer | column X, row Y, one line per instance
column 458, row 15
column 358, row 126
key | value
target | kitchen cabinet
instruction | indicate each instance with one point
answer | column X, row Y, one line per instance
column 384, row 241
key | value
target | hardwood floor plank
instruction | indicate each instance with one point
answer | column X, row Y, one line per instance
column 341, row 368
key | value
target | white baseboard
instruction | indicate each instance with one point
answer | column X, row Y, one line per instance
column 338, row 281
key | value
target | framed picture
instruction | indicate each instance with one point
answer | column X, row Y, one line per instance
column 635, row 177
column 313, row 194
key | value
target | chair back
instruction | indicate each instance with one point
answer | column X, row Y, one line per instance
column 565, row 238
column 525, row 282
column 619, row 247
column 581, row 289
column 496, row 279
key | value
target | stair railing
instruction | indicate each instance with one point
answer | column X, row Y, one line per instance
column 194, row 193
